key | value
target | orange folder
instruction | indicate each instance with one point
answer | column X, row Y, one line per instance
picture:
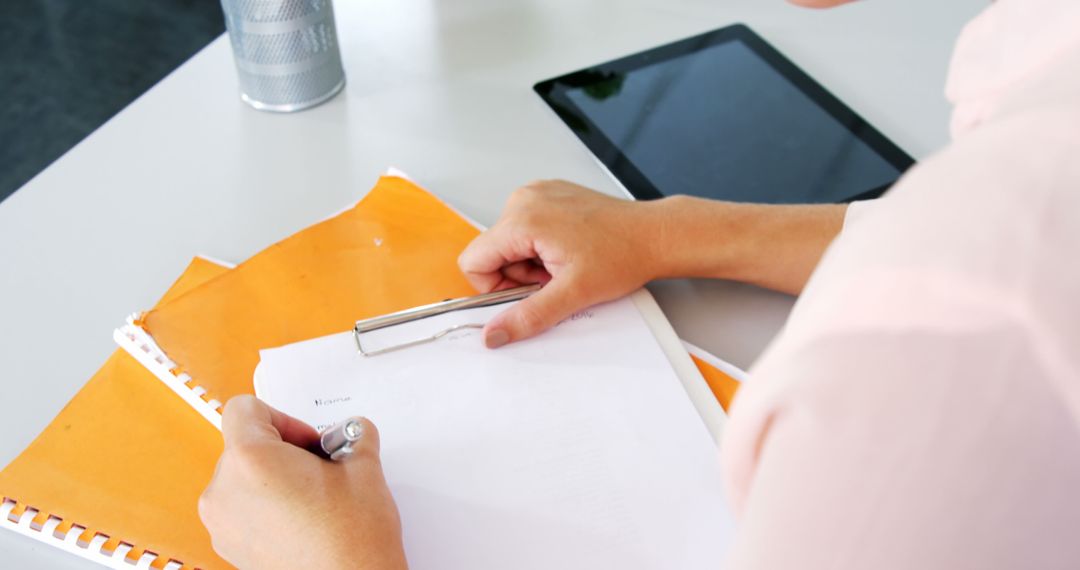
column 125, row 458
column 722, row 385
column 396, row 249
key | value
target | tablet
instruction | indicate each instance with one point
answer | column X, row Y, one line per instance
column 723, row 115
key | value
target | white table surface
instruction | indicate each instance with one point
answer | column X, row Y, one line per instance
column 441, row 89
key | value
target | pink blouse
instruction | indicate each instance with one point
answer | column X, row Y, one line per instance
column 921, row 408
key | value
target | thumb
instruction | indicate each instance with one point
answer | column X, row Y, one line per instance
column 534, row 314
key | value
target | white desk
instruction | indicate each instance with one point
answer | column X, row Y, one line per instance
column 438, row 88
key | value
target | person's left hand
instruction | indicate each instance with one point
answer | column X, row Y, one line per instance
column 273, row 504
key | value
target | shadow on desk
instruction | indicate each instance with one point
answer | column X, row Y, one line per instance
column 732, row 320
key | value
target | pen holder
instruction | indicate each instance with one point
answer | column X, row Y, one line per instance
column 286, row 51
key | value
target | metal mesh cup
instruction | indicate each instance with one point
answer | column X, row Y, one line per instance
column 286, row 52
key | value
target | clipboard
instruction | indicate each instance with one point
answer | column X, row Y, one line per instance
column 520, row 442
column 697, row 389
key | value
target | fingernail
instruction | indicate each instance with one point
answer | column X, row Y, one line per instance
column 496, row 338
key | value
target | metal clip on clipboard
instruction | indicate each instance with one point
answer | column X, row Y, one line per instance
column 425, row 311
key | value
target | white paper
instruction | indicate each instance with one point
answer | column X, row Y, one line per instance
column 576, row 449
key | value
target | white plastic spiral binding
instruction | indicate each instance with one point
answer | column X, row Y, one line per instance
column 69, row 542
column 139, row 344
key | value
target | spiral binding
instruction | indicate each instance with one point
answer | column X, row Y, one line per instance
column 95, row 550
column 138, row 343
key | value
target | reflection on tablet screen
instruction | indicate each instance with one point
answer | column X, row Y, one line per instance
column 721, row 121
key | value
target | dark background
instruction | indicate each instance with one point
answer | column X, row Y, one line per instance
column 67, row 66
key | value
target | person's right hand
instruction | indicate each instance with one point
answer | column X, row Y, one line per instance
column 274, row 504
column 585, row 247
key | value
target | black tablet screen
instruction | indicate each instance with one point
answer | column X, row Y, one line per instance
column 722, row 122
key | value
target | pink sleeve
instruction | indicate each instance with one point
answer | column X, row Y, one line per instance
column 921, row 408
column 891, row 452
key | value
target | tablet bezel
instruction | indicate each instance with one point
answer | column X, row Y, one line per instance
column 553, row 92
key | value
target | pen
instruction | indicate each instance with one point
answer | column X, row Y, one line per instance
column 337, row 441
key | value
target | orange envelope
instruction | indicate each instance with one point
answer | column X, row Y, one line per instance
column 396, row 249
column 125, row 458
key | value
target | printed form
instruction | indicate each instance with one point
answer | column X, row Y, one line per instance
column 576, row 449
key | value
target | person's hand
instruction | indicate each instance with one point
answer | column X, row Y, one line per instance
column 273, row 504
column 585, row 246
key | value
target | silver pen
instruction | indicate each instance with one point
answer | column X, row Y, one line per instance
column 337, row 441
